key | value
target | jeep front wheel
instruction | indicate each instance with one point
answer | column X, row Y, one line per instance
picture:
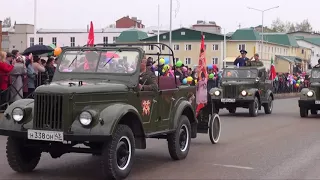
column 179, row 141
column 214, row 128
column 21, row 158
column 303, row 112
column 254, row 107
column 118, row 153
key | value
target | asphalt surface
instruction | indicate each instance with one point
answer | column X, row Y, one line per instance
column 277, row 146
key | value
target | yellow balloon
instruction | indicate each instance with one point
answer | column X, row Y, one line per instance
column 57, row 51
column 189, row 78
column 161, row 61
column 195, row 81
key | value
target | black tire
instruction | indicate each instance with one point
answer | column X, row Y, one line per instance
column 21, row 158
column 214, row 128
column 254, row 107
column 232, row 110
column 122, row 144
column 303, row 112
column 179, row 141
column 314, row 111
column 269, row 106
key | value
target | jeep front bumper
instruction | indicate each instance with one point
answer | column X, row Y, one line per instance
column 309, row 104
column 237, row 103
column 66, row 136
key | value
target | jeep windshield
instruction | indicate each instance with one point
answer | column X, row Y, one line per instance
column 239, row 73
column 104, row 61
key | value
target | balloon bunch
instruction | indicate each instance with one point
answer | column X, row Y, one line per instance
column 187, row 80
column 57, row 50
column 295, row 81
column 163, row 61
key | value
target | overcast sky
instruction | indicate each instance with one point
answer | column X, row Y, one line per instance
column 68, row 14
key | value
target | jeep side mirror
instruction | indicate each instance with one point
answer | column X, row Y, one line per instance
column 257, row 79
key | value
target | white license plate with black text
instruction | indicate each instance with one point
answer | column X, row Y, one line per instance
column 228, row 100
column 317, row 102
column 45, row 135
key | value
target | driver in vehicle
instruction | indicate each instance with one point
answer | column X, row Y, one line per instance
column 92, row 61
column 148, row 80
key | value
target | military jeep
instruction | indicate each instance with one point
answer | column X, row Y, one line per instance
column 310, row 97
column 245, row 87
column 96, row 102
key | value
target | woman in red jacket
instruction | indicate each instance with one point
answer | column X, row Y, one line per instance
column 5, row 69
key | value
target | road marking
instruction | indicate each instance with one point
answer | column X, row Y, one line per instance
column 234, row 166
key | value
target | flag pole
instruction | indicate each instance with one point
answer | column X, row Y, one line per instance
column 170, row 33
column 35, row 21
column 158, row 40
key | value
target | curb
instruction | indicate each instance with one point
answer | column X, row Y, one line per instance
column 286, row 95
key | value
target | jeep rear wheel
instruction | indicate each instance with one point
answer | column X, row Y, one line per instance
column 268, row 106
column 21, row 158
column 214, row 128
column 179, row 141
column 118, row 153
column 303, row 112
column 254, row 107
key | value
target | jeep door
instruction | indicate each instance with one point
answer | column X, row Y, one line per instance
column 148, row 103
column 262, row 85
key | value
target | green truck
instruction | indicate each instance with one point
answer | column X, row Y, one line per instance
column 94, row 100
column 245, row 87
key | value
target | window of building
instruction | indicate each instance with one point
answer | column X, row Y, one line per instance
column 164, row 37
column 115, row 39
column 31, row 41
column 215, row 60
column 176, row 59
column 188, row 61
column 105, row 40
column 302, row 51
column 176, row 47
column 151, row 48
column 215, row 47
column 72, row 41
column 241, row 47
column 54, row 41
column 40, row 40
column 188, row 47
column 183, row 33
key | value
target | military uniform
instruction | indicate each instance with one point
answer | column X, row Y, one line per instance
column 148, row 80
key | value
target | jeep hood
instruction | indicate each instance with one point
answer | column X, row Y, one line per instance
column 315, row 84
column 68, row 86
column 228, row 83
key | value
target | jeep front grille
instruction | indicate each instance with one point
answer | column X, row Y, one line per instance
column 48, row 112
column 230, row 91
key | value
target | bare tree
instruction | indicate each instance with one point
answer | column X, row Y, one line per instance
column 304, row 26
column 6, row 22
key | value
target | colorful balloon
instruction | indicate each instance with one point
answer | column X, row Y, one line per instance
column 166, row 60
column 57, row 51
column 210, row 66
column 184, row 81
column 162, row 61
column 178, row 63
column 195, row 81
column 211, row 76
column 189, row 78
column 184, row 69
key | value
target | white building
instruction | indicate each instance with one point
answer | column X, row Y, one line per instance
column 22, row 37
column 314, row 45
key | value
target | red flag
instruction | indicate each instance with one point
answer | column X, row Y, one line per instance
column 90, row 43
column 201, row 92
column 272, row 70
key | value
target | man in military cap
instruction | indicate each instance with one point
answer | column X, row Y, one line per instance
column 148, row 80
column 242, row 59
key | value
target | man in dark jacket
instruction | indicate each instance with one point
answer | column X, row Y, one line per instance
column 241, row 60
column 148, row 80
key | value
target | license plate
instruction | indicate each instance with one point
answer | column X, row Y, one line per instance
column 45, row 135
column 228, row 100
column 317, row 102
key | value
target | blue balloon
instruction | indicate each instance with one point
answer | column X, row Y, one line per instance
column 166, row 60
column 294, row 81
column 184, row 81
column 210, row 66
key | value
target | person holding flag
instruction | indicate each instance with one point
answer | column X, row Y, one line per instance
column 273, row 72
column 90, row 43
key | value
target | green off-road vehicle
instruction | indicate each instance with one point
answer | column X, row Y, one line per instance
column 96, row 102
column 310, row 97
column 246, row 87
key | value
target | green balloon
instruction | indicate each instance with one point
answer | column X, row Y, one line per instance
column 52, row 46
column 179, row 63
column 211, row 76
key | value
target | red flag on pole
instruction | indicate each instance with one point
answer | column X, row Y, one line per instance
column 201, row 92
column 90, row 43
column 272, row 70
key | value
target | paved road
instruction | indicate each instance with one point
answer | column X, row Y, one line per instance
column 277, row 146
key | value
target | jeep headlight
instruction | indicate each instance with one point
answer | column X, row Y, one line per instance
column 85, row 118
column 243, row 93
column 17, row 114
column 217, row 93
column 309, row 93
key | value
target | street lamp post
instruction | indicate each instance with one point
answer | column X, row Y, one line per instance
column 262, row 12
column 170, row 32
